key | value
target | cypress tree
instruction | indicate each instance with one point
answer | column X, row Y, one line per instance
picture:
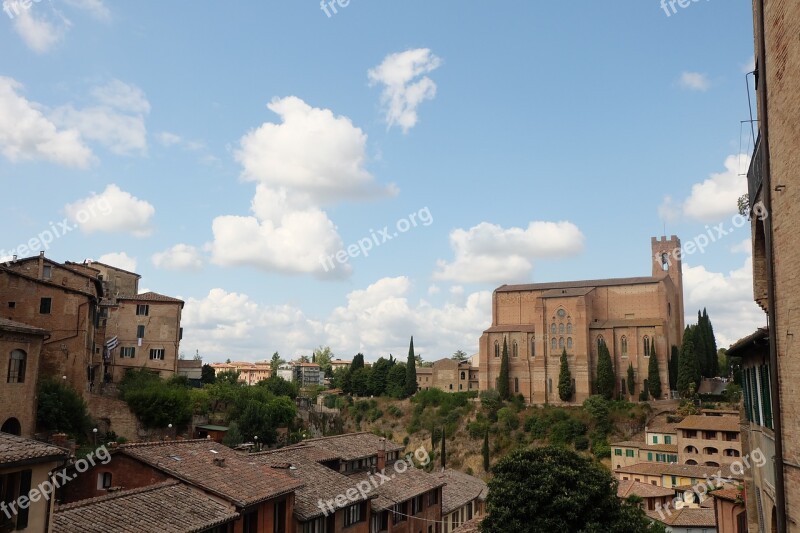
column 673, row 368
column 605, row 373
column 502, row 385
column 711, row 345
column 687, row 366
column 358, row 362
column 631, row 380
column 565, row 379
column 411, row 370
column 485, row 451
column 444, row 450
column 654, row 375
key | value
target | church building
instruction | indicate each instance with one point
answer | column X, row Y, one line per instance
column 636, row 318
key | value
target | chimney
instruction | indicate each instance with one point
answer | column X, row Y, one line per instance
column 382, row 455
column 219, row 461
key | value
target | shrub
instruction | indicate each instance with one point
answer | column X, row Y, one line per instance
column 581, row 443
column 507, row 419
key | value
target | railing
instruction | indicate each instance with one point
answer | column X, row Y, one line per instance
column 755, row 175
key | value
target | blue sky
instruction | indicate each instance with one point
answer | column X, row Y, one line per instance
column 236, row 146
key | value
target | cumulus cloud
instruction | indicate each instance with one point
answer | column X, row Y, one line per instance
column 694, row 81
column 376, row 321
column 405, row 85
column 39, row 31
column 728, row 298
column 311, row 158
column 112, row 211
column 179, row 257
column 119, row 260
column 117, row 122
column 490, row 253
column 714, row 198
column 27, row 134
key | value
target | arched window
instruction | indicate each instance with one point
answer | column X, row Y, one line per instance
column 12, row 426
column 533, row 346
column 561, row 329
column 561, row 343
column 600, row 342
column 514, row 349
column 569, row 328
column 516, row 384
column 553, row 345
column 496, row 349
column 463, row 376
column 624, row 343
column 16, row 367
column 665, row 261
column 553, row 329
column 646, row 342
column 569, row 343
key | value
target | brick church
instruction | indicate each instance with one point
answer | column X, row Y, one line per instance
column 636, row 318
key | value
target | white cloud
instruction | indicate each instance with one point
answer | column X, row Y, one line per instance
column 119, row 260
column 37, row 31
column 744, row 247
column 311, row 158
column 179, row 257
column 117, row 123
column 169, row 139
column 95, row 8
column 376, row 321
column 434, row 289
column 695, row 81
column 490, row 253
column 714, row 198
column 728, row 298
column 404, row 90
column 112, row 211
column 312, row 151
column 27, row 134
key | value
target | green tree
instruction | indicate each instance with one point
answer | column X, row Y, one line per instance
column 411, row 370
column 711, row 346
column 207, row 375
column 276, row 363
column 460, row 356
column 60, row 407
column 502, row 380
column 565, row 391
column 341, row 379
column 359, row 381
column 396, row 381
column 606, row 380
column 304, row 359
column 378, row 376
column 654, row 375
column 280, row 387
column 323, row 356
column 673, row 368
column 228, row 376
column 358, row 362
column 687, row 367
column 485, row 451
column 527, row 494
column 631, row 380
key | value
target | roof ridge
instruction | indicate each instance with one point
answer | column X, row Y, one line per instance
column 162, row 443
column 117, row 494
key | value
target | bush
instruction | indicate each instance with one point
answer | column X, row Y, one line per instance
column 601, row 449
column 395, row 411
column 60, row 407
column 581, row 443
column 507, row 419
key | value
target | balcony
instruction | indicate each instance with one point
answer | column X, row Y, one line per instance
column 755, row 175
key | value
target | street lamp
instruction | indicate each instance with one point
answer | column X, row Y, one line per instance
column 256, row 439
column 94, row 436
column 169, row 427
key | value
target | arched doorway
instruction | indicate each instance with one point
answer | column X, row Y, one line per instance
column 12, row 426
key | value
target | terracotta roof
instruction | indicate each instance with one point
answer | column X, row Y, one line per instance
column 742, row 346
column 732, row 495
column 710, row 423
column 666, row 469
column 18, row 450
column 403, row 484
column 629, row 487
column 580, row 283
column 195, row 462
column 470, row 526
column 165, row 507
column 151, row 297
column 632, row 323
column 19, row 327
column 352, row 446
column 673, row 448
column 687, row 517
column 460, row 489
column 526, row 328
column 319, row 482
column 661, row 427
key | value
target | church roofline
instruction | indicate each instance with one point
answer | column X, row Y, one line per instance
column 590, row 283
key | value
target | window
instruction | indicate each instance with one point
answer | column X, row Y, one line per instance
column 157, row 354
column 533, row 346
column 667, row 439
column 142, row 310
column 516, row 385
column 399, row 513
column 649, row 456
column 353, row 514
column 553, row 345
column 129, row 352
column 463, row 376
column 433, row 497
column 758, row 395
column 569, row 328
column 140, row 332
column 618, row 451
column 600, row 342
column 12, row 305
column 553, row 328
column 629, row 453
column 250, row 522
column 45, row 304
column 561, row 329
column 514, row 349
column 569, row 343
column 451, row 385
column 16, row 367
column 380, row 522
column 318, row 525
column 416, row 505
column 280, row 517
column 47, row 272
column 655, row 439
column 561, row 313
column 624, row 343
column 496, row 349
column 561, row 343
column 646, row 343
column 104, row 480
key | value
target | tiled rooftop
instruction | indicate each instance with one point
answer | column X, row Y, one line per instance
column 470, row 526
column 710, row 423
column 687, row 517
column 666, row 469
column 575, row 284
column 10, row 325
column 460, row 489
column 630, row 487
column 195, row 461
column 151, row 297
column 15, row 449
column 669, row 448
column 351, row 446
column 169, row 507
column 728, row 494
column 402, row 486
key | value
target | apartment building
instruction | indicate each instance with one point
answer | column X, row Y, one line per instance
column 20, row 352
column 307, row 374
column 249, row 373
column 449, row 375
column 709, row 440
column 463, row 498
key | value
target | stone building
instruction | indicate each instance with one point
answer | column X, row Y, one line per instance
column 448, row 375
column 634, row 317
column 770, row 363
column 20, row 350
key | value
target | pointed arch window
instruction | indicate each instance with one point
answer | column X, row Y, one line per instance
column 553, row 329
column 569, row 328
column 514, row 349
column 561, row 343
column 600, row 342
column 569, row 343
column 561, row 329
column 646, row 343
column 533, row 346
column 553, row 344
column 496, row 349
column 624, row 343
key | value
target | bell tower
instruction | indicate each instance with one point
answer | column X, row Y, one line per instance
column 666, row 258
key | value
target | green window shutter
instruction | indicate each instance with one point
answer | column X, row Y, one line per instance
column 24, row 490
column 649, row 456
column 766, row 396
column 748, row 408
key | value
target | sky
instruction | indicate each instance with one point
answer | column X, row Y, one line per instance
column 354, row 173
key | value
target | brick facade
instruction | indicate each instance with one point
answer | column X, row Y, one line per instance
column 538, row 321
column 23, row 344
